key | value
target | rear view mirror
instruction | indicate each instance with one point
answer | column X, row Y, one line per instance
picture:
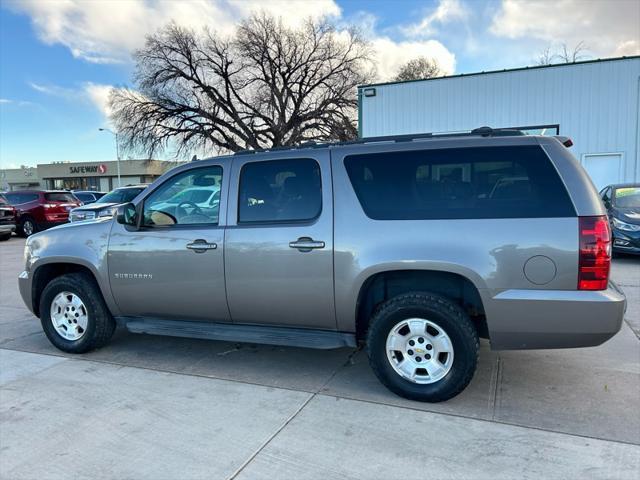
column 127, row 215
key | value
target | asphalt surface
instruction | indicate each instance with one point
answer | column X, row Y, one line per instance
column 171, row 408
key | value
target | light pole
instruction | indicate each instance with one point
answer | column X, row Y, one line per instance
column 117, row 150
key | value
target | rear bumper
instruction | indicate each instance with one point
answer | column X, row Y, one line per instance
column 7, row 228
column 529, row 319
column 45, row 225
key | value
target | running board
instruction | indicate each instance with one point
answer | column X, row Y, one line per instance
column 230, row 332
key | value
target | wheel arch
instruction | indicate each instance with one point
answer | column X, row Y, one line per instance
column 383, row 285
column 46, row 272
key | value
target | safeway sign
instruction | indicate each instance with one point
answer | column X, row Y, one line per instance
column 84, row 169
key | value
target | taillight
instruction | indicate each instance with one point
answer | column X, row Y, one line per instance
column 595, row 253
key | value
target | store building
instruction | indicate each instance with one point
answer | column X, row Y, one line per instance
column 100, row 176
column 595, row 103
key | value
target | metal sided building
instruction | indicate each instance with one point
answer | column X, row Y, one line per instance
column 595, row 103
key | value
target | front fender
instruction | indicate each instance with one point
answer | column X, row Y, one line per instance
column 84, row 244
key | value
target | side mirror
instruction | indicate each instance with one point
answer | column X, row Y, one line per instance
column 127, row 215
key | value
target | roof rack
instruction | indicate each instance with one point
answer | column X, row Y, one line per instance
column 481, row 131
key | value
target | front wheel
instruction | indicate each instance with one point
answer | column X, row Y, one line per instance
column 422, row 346
column 73, row 314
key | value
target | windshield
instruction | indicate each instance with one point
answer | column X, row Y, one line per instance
column 60, row 197
column 121, row 195
column 3, row 201
column 627, row 197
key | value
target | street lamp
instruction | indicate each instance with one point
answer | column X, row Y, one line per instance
column 117, row 150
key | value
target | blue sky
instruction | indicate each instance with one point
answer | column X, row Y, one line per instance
column 59, row 59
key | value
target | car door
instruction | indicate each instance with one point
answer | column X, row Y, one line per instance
column 173, row 265
column 279, row 240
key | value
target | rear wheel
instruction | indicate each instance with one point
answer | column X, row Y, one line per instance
column 5, row 236
column 28, row 227
column 73, row 314
column 423, row 347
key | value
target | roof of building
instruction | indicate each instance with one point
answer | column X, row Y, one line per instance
column 534, row 67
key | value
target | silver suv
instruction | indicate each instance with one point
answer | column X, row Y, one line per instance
column 415, row 246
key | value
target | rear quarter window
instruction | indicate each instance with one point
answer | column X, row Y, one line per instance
column 484, row 182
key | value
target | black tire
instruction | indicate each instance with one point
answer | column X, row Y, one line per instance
column 31, row 226
column 449, row 317
column 100, row 325
column 5, row 236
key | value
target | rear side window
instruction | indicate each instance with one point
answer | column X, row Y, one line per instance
column 20, row 198
column 85, row 197
column 59, row 197
column 485, row 182
column 280, row 191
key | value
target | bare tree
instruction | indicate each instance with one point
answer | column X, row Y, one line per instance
column 564, row 55
column 546, row 57
column 417, row 69
column 267, row 85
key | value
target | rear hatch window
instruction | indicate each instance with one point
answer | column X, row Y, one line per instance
column 60, row 197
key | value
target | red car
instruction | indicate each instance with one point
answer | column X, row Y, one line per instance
column 41, row 209
column 7, row 219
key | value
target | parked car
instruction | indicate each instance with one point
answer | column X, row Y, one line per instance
column 206, row 197
column 396, row 243
column 7, row 219
column 107, row 205
column 622, row 202
column 41, row 209
column 88, row 196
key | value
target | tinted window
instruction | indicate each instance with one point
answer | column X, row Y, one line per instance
column 85, row 197
column 121, row 195
column 60, row 197
column 280, row 191
column 20, row 198
column 487, row 182
column 179, row 202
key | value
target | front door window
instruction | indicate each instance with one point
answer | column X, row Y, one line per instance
column 191, row 198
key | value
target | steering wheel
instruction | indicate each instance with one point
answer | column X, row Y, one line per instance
column 182, row 212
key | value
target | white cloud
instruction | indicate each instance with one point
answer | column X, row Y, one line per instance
column 103, row 31
column 98, row 94
column 390, row 55
column 608, row 28
column 5, row 100
column 54, row 90
column 447, row 11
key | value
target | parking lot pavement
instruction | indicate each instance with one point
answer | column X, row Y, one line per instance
column 158, row 407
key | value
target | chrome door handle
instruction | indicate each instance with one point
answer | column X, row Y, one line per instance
column 201, row 246
column 306, row 244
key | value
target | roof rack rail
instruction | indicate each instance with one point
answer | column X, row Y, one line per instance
column 481, row 131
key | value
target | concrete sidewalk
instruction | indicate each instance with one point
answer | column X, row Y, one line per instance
column 166, row 408
column 70, row 418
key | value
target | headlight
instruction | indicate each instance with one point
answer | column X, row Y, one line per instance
column 627, row 227
column 108, row 212
column 81, row 215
